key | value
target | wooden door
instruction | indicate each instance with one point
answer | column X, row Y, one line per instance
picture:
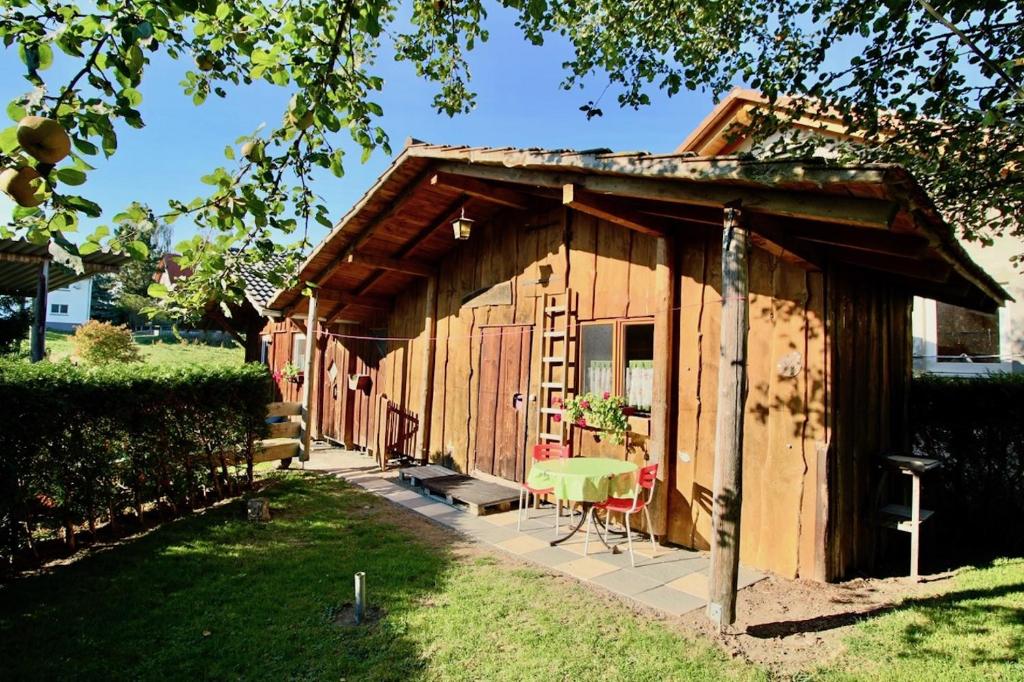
column 503, row 401
column 333, row 384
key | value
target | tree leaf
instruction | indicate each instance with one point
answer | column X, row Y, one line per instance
column 157, row 290
column 71, row 176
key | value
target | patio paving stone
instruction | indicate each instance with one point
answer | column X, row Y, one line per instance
column 672, row 601
column 625, row 582
column 418, row 502
column 695, row 584
column 495, row 535
column 402, row 494
column 521, row 544
column 586, row 568
column 667, row 571
column 550, row 556
column 434, row 509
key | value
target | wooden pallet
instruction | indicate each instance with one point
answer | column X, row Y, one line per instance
column 480, row 497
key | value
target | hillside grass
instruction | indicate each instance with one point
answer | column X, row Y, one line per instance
column 163, row 350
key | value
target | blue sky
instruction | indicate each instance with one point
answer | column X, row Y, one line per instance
column 520, row 103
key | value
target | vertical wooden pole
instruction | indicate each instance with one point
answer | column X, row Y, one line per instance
column 732, row 390
column 661, row 401
column 427, row 388
column 915, row 520
column 38, row 340
column 312, row 330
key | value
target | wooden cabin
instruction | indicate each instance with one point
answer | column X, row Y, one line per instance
column 464, row 335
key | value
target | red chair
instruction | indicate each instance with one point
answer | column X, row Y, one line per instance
column 645, row 480
column 542, row 452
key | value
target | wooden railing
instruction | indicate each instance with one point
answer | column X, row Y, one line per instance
column 397, row 435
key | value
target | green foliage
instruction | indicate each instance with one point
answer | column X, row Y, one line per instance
column 604, row 413
column 15, row 320
column 101, row 343
column 79, row 442
column 975, row 426
column 936, row 87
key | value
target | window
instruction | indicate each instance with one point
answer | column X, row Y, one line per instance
column 963, row 334
column 264, row 349
column 299, row 350
column 59, row 308
column 618, row 358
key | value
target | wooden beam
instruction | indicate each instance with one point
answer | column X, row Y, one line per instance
column 38, row 336
column 22, row 258
column 928, row 271
column 427, row 372
column 447, row 216
column 310, row 371
column 607, row 208
column 727, row 489
column 397, row 205
column 857, row 238
column 665, row 279
column 502, row 196
column 332, row 298
column 829, row 208
column 393, row 264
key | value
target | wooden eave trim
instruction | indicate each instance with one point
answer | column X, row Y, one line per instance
column 877, row 213
column 605, row 208
column 501, row 196
column 395, row 264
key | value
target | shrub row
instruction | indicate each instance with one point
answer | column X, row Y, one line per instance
column 975, row 426
column 77, row 445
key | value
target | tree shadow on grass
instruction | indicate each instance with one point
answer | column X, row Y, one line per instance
column 212, row 596
column 922, row 626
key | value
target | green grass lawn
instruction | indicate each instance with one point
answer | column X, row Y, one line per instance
column 212, row 597
column 973, row 632
column 165, row 350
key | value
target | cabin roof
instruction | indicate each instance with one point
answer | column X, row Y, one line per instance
column 20, row 260
column 875, row 216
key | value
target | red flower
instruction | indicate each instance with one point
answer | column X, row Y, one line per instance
column 277, row 375
column 556, row 402
column 582, row 421
column 556, row 418
column 606, row 395
column 585, row 404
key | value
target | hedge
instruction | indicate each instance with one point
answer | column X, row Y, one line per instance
column 975, row 426
column 78, row 445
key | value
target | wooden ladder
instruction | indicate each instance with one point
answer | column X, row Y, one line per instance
column 554, row 371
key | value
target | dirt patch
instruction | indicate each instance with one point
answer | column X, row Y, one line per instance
column 344, row 616
column 788, row 625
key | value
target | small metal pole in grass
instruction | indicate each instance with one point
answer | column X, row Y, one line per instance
column 360, row 597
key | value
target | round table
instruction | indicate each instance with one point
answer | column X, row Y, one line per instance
column 587, row 480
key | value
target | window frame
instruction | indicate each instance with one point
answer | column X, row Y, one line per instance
column 619, row 325
column 295, row 341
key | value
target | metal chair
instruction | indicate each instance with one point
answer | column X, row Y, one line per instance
column 645, row 480
column 542, row 452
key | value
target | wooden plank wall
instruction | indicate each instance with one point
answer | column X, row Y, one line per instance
column 786, row 413
column 871, row 356
column 279, row 354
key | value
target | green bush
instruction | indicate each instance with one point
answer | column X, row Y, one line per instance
column 975, row 426
column 78, row 444
column 100, row 343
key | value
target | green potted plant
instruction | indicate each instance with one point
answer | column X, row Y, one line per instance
column 292, row 373
column 603, row 413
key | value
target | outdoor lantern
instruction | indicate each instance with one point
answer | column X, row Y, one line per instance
column 462, row 226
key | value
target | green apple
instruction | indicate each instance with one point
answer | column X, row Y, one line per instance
column 253, row 150
column 206, row 62
column 20, row 184
column 300, row 122
column 44, row 139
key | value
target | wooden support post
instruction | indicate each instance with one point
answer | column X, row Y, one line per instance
column 664, row 356
column 732, row 390
column 312, row 329
column 427, row 388
column 38, row 340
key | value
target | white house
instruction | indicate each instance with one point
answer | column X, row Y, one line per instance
column 70, row 306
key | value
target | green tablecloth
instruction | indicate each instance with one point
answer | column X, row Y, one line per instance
column 584, row 479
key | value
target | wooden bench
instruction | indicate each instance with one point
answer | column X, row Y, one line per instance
column 284, row 438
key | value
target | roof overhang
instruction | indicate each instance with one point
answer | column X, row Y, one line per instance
column 20, row 261
column 873, row 216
